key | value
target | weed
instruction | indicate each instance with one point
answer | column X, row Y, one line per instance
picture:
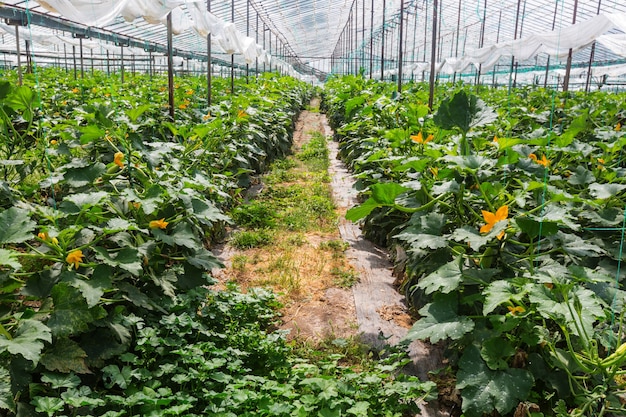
column 335, row 245
column 239, row 263
column 256, row 214
column 248, row 239
column 345, row 277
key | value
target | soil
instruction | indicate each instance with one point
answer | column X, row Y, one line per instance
column 318, row 309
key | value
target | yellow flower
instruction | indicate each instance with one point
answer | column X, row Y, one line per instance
column 434, row 171
column 118, row 159
column 495, row 139
column 55, row 240
column 158, row 224
column 543, row 161
column 420, row 139
column 618, row 127
column 75, row 90
column 241, row 114
column 182, row 106
column 189, row 92
column 75, row 257
column 600, row 160
column 516, row 310
column 492, row 218
column 42, row 235
column 206, row 116
column 53, row 142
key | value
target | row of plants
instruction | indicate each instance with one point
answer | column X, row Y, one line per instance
column 509, row 212
column 108, row 213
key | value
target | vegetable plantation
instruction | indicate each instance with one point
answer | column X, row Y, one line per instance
column 109, row 213
column 507, row 212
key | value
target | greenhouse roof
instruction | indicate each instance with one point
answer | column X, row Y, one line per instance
column 324, row 36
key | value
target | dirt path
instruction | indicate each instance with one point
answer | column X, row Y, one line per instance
column 373, row 308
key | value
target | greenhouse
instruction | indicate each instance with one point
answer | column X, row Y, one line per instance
column 312, row 208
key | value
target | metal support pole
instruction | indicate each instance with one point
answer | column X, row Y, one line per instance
column 29, row 61
column 122, row 60
column 108, row 64
column 382, row 48
column 19, row 55
column 247, row 34
column 545, row 81
column 433, row 56
column 170, row 66
column 400, row 44
column 232, row 56
column 519, row 2
column 591, row 55
column 82, row 66
column 209, row 64
column 568, row 67
column 372, row 40
column 74, row 61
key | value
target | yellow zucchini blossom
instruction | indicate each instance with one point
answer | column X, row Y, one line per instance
column 75, row 257
column 158, row 224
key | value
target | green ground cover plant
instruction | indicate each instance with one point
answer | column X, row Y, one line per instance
column 510, row 210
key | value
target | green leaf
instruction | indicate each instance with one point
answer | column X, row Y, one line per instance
column 57, row 381
column 92, row 289
column 604, row 191
column 578, row 125
column 500, row 292
column 207, row 213
column 417, row 165
column 496, row 352
column 445, row 279
column 360, row 408
column 578, row 312
column 574, row 245
column 440, row 321
column 6, row 395
column 205, row 260
column 82, row 200
column 581, row 176
column 126, row 258
column 361, row 211
column 386, row 193
column 484, row 390
column 113, row 375
column 463, row 111
column 28, row 340
column 181, row 235
column 470, row 236
column 48, row 405
column 5, row 89
column 80, row 177
column 71, row 314
column 135, row 112
column 535, row 228
column 8, row 257
column 65, row 356
column 16, row 226
column 22, row 98
column 91, row 133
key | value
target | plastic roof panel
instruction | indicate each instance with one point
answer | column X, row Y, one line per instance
column 321, row 32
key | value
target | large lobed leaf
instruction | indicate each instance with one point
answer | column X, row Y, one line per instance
column 15, row 226
column 28, row 340
column 440, row 321
column 484, row 390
